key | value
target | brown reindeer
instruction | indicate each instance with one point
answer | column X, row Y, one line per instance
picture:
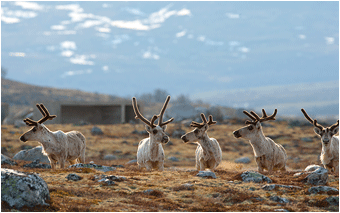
column 208, row 151
column 150, row 153
column 268, row 154
column 330, row 144
column 58, row 146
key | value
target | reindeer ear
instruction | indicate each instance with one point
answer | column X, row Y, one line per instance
column 164, row 128
column 148, row 128
column 258, row 125
column 317, row 130
column 335, row 130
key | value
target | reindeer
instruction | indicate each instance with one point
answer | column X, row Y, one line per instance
column 150, row 153
column 208, row 151
column 330, row 144
column 58, row 146
column 268, row 154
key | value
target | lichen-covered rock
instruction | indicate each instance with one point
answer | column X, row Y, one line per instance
column 185, row 186
column 110, row 157
column 251, row 176
column 325, row 189
column 312, row 168
column 172, row 158
column 279, row 199
column 20, row 189
column 333, row 200
column 244, row 160
column 269, row 187
column 317, row 177
column 106, row 182
column 73, row 177
column 32, row 155
column 7, row 160
column 132, row 162
column 116, row 178
column 37, row 164
column 281, row 210
column 206, row 174
column 96, row 131
column 93, row 166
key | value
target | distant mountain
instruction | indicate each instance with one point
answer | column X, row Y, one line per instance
column 16, row 93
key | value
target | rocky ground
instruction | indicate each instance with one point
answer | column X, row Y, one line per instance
column 121, row 186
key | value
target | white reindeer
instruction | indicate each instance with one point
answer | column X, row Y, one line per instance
column 208, row 151
column 58, row 146
column 150, row 153
column 330, row 144
column 268, row 154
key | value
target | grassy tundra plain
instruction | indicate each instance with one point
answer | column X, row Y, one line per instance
column 177, row 188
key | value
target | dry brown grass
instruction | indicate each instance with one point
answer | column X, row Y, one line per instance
column 226, row 193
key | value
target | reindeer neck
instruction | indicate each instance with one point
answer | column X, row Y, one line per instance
column 154, row 148
column 204, row 141
column 258, row 143
column 48, row 136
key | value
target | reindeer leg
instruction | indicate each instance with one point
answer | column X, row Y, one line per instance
column 270, row 168
column 53, row 162
column 202, row 166
column 259, row 162
column 82, row 157
column 148, row 166
column 160, row 166
column 62, row 162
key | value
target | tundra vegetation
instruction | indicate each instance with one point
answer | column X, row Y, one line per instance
column 177, row 188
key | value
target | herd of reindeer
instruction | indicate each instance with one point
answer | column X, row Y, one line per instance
column 70, row 146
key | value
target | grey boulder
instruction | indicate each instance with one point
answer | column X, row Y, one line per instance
column 317, row 177
column 93, row 166
column 7, row 160
column 323, row 189
column 20, row 189
column 250, row 176
column 32, row 155
column 206, row 174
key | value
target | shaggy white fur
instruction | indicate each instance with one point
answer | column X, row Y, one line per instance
column 268, row 154
column 58, row 146
column 208, row 152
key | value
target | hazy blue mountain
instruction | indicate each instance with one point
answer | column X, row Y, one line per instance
column 247, row 54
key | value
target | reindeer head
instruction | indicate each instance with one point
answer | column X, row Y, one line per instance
column 326, row 134
column 199, row 131
column 254, row 126
column 157, row 132
column 36, row 133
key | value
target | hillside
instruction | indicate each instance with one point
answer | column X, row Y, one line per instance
column 17, row 93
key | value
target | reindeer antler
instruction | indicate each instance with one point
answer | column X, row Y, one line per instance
column 140, row 116
column 331, row 128
column 200, row 125
column 252, row 115
column 160, row 121
column 314, row 122
column 44, row 112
